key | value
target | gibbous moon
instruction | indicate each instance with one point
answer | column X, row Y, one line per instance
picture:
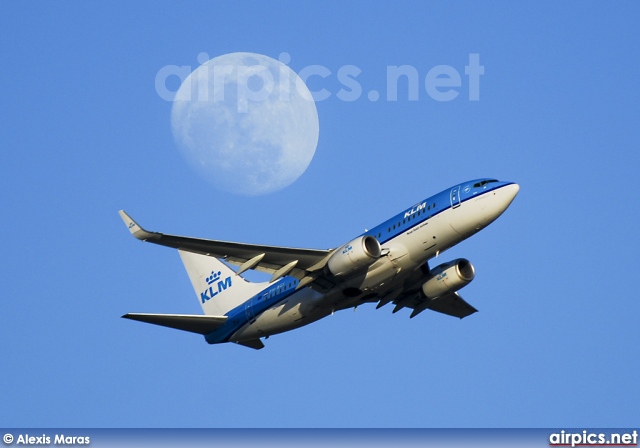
column 246, row 123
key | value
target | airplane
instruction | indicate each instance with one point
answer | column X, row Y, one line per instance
column 387, row 264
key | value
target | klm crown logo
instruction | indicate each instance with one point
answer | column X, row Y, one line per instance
column 213, row 277
column 216, row 286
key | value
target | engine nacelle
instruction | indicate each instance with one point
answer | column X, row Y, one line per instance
column 448, row 277
column 357, row 254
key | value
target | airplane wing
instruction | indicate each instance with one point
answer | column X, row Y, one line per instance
column 252, row 343
column 451, row 304
column 304, row 264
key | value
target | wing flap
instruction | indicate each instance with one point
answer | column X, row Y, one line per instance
column 187, row 322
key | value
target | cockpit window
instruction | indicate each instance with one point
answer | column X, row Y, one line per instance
column 484, row 182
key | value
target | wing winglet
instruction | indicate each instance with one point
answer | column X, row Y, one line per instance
column 134, row 228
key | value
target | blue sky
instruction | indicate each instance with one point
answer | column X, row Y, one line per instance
column 84, row 134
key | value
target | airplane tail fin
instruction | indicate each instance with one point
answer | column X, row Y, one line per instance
column 218, row 288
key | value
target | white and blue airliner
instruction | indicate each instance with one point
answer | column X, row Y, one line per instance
column 387, row 264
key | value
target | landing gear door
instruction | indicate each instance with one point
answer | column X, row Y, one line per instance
column 455, row 197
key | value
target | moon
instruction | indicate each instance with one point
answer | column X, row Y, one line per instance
column 246, row 123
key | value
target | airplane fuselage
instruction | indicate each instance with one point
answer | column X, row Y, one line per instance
column 407, row 241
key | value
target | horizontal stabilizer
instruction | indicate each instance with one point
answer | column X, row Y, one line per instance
column 187, row 322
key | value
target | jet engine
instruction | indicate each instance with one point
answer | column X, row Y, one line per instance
column 448, row 277
column 357, row 254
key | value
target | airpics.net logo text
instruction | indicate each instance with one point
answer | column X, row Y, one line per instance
column 589, row 438
column 256, row 83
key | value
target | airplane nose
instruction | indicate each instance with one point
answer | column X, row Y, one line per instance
column 513, row 190
column 486, row 208
column 508, row 194
column 501, row 200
